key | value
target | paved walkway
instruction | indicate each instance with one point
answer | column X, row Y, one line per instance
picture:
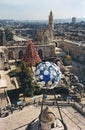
column 20, row 119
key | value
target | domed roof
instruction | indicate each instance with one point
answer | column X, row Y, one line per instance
column 68, row 57
column 47, row 116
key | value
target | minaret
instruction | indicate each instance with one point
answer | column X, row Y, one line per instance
column 4, row 38
column 51, row 25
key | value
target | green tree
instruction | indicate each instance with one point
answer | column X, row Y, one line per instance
column 26, row 80
column 9, row 35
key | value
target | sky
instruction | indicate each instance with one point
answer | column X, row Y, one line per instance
column 39, row 9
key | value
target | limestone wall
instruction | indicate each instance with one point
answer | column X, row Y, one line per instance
column 46, row 50
column 76, row 50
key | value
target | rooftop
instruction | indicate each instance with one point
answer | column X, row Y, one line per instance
column 18, row 39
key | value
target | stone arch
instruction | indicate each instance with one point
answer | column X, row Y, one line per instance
column 10, row 55
column 1, row 55
column 52, row 125
column 45, row 39
column 56, row 44
column 20, row 54
column 40, row 53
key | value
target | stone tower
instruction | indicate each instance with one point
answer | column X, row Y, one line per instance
column 2, row 37
column 47, row 119
column 51, row 25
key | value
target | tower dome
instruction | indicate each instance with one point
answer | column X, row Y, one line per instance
column 47, row 119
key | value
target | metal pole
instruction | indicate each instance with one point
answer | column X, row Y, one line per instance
column 41, row 109
column 58, row 106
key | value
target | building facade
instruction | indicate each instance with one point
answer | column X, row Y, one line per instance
column 73, row 20
column 44, row 45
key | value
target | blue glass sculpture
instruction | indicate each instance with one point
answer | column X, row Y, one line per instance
column 47, row 75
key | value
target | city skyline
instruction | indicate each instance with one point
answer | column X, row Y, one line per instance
column 39, row 10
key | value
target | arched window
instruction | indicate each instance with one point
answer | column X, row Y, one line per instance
column 20, row 54
column 52, row 125
column 56, row 44
column 40, row 53
column 1, row 55
column 10, row 55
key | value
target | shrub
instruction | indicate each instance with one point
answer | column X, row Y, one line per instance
column 12, row 73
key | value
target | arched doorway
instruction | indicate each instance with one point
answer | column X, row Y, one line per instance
column 40, row 53
column 10, row 55
column 56, row 44
column 20, row 54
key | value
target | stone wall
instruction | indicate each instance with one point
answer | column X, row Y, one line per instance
column 79, row 70
column 45, row 51
column 76, row 50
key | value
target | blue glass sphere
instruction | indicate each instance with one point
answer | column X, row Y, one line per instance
column 47, row 74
